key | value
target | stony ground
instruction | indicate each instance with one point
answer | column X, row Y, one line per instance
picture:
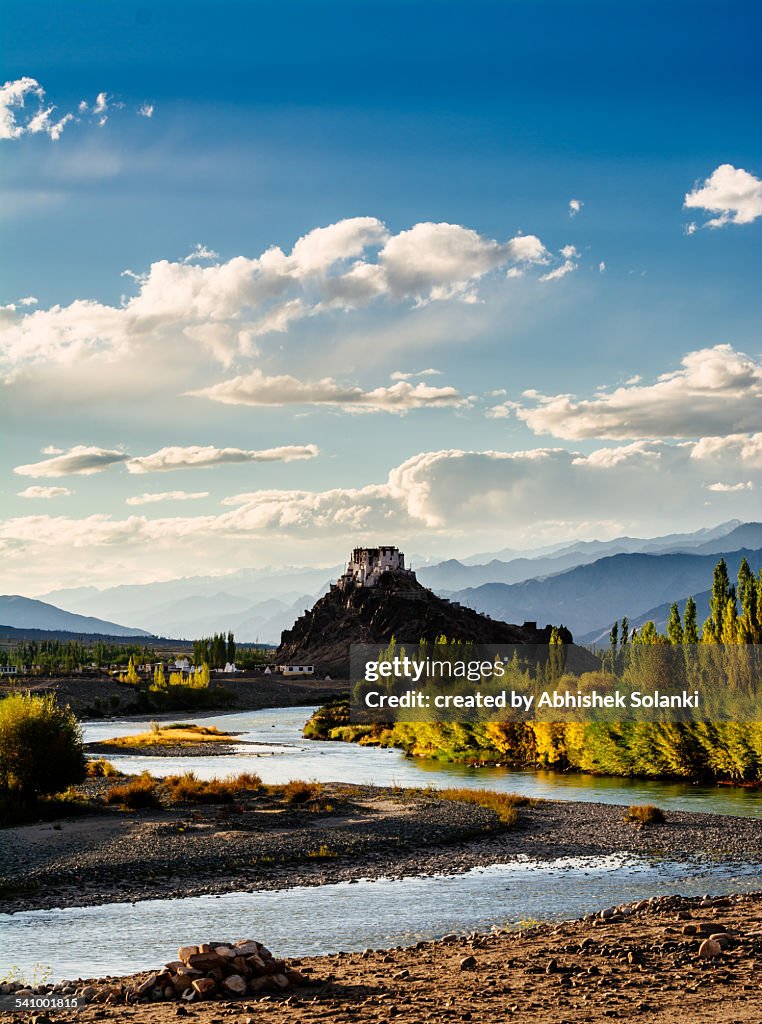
column 189, row 851
column 642, row 962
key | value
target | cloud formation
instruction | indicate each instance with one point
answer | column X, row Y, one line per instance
column 205, row 456
column 16, row 119
column 256, row 388
column 451, row 494
column 152, row 499
column 224, row 308
column 83, row 460
column 717, row 392
column 731, row 192
column 575, row 205
column 45, row 492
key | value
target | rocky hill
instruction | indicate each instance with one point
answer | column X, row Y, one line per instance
column 398, row 606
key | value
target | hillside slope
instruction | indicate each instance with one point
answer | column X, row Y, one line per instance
column 26, row 613
column 591, row 596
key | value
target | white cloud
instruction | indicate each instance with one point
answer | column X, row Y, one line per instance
column 16, row 120
column 45, row 492
column 146, row 110
column 344, row 266
column 731, row 192
column 570, row 255
column 575, row 205
column 198, row 253
column 205, row 456
column 405, row 375
column 602, row 267
column 83, row 460
column 744, row 450
column 718, row 391
column 731, row 488
column 459, row 496
column 151, row 499
column 257, row 389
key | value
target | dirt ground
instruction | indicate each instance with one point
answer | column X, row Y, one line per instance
column 640, row 966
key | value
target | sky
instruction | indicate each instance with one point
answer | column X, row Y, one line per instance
column 283, row 278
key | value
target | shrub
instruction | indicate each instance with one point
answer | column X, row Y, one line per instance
column 646, row 814
column 299, row 792
column 138, row 792
column 100, row 768
column 189, row 788
column 40, row 746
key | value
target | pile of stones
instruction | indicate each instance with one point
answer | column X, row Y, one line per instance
column 218, row 969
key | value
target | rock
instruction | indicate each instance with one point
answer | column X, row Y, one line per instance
column 468, row 963
column 226, row 952
column 709, row 949
column 255, row 985
column 205, row 987
column 725, row 940
column 235, row 984
column 280, row 980
column 205, row 961
column 246, row 948
column 146, row 986
column 689, row 929
column 186, row 951
column 182, row 982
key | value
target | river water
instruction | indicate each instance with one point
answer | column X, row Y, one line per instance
column 121, row 938
column 281, row 753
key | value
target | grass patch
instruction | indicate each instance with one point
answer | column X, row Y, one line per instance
column 505, row 805
column 138, row 792
column 323, row 852
column 172, row 735
column 100, row 768
column 646, row 814
column 188, row 788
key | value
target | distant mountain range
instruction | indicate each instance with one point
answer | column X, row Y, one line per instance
column 589, row 598
column 25, row 613
column 258, row 604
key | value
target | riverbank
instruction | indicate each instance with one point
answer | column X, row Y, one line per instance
column 646, row 961
column 361, row 832
column 105, row 697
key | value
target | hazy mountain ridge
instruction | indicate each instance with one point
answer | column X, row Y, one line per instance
column 27, row 613
column 590, row 596
column 258, row 604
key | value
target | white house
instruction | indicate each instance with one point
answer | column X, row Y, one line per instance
column 368, row 565
column 296, row 670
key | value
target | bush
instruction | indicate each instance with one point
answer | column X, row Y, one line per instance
column 299, row 792
column 189, row 788
column 100, row 768
column 40, row 747
column 646, row 814
column 138, row 792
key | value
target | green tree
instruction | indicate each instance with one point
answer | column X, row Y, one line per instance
column 720, row 595
column 674, row 626
column 40, row 747
column 231, row 649
column 690, row 623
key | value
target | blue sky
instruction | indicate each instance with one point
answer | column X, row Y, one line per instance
column 268, row 121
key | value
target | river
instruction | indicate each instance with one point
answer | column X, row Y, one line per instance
column 122, row 937
column 281, row 753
